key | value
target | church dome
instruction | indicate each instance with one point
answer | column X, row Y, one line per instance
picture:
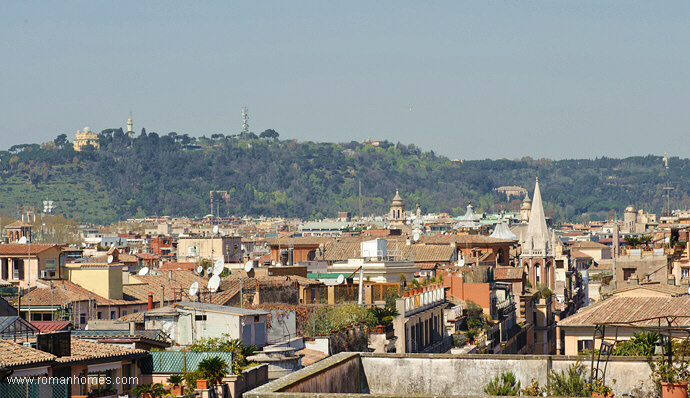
column 87, row 129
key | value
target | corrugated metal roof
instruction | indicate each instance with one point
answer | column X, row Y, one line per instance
column 52, row 326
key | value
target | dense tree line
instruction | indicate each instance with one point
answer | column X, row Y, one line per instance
column 172, row 174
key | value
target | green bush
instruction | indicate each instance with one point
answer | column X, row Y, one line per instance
column 569, row 382
column 503, row 385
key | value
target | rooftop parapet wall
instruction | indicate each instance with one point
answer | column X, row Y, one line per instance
column 438, row 375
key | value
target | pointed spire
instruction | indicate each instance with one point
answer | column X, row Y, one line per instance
column 537, row 232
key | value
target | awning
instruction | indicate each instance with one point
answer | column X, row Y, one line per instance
column 42, row 371
column 100, row 367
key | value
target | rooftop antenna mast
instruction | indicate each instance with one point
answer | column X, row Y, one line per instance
column 245, row 120
column 668, row 209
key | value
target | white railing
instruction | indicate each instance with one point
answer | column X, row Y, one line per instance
column 421, row 301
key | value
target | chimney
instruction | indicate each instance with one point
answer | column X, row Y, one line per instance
column 150, row 301
column 634, row 280
column 671, row 280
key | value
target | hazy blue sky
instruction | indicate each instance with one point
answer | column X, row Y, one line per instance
column 484, row 79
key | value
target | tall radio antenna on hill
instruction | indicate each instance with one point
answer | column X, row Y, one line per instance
column 360, row 199
column 245, row 120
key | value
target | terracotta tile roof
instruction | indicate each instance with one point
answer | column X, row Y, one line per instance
column 350, row 247
column 461, row 239
column 86, row 350
column 437, row 253
column 579, row 254
column 15, row 354
column 629, row 309
column 8, row 249
column 52, row 326
column 17, row 224
column 588, row 245
column 127, row 258
column 508, row 273
column 171, row 265
column 428, row 265
column 310, row 356
column 65, row 292
column 171, row 280
column 147, row 256
column 655, row 287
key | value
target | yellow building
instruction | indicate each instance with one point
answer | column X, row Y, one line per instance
column 86, row 137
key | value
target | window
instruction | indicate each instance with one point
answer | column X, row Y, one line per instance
column 584, row 345
column 124, row 312
column 256, row 318
column 112, row 314
column 200, row 317
column 559, row 264
column 82, row 319
column 50, row 264
column 685, row 272
column 628, row 272
column 100, row 315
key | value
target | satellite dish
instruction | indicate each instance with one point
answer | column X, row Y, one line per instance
column 340, row 279
column 279, row 264
column 200, row 270
column 22, row 240
column 209, row 271
column 193, row 289
column 215, row 229
column 415, row 237
column 144, row 271
column 218, row 267
column 110, row 259
column 273, row 262
column 249, row 265
column 461, row 262
column 213, row 283
column 689, row 290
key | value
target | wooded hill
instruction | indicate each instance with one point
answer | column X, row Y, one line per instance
column 263, row 175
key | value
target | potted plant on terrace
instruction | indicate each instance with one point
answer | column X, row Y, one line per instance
column 671, row 380
column 153, row 390
column 601, row 390
column 176, row 381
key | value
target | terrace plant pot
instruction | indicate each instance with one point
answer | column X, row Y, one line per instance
column 202, row 384
column 678, row 389
column 176, row 390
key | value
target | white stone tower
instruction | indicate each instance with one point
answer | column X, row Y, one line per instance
column 130, row 126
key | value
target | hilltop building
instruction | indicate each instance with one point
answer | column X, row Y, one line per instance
column 130, row 126
column 84, row 138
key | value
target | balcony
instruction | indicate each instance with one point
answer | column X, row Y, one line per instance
column 424, row 300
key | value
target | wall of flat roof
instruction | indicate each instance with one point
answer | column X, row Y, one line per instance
column 440, row 375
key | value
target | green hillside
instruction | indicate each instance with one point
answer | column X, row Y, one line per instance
column 173, row 175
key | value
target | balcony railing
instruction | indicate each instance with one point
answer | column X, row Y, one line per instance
column 424, row 300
